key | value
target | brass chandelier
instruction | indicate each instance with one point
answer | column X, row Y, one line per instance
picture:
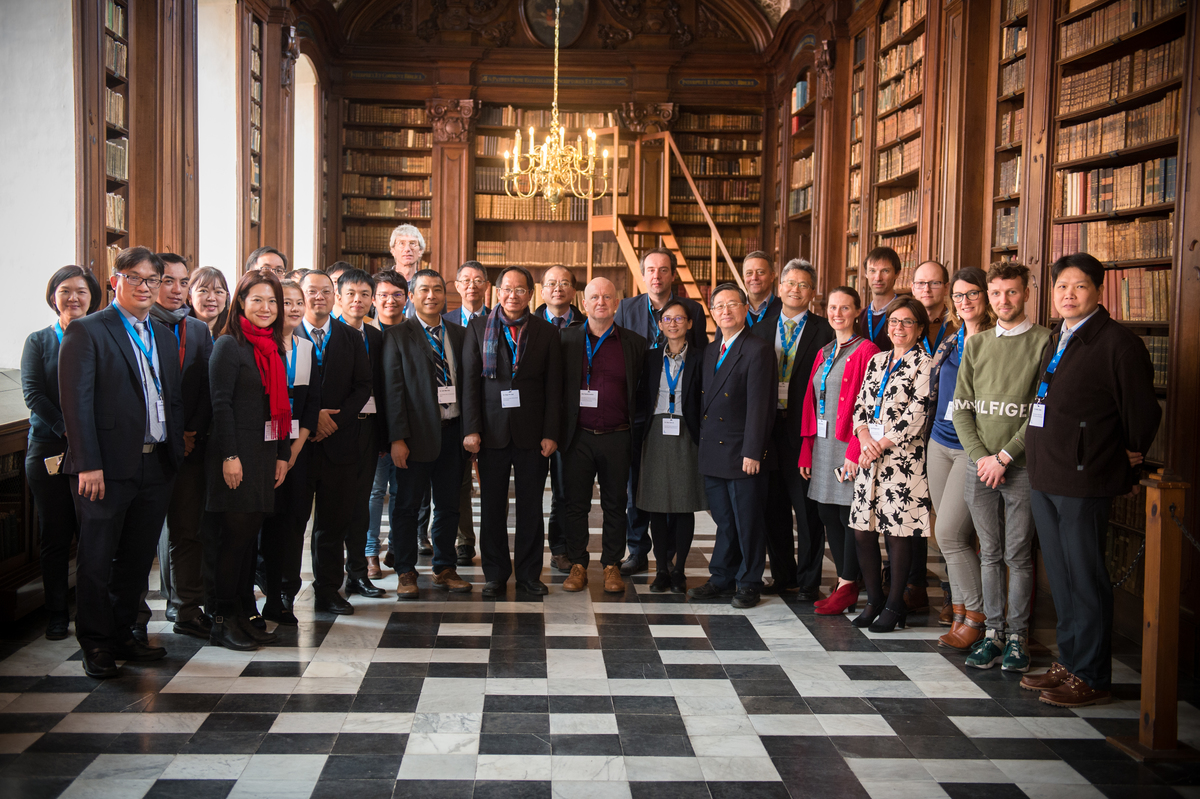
column 556, row 167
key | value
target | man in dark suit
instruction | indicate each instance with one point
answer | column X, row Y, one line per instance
column 335, row 460
column 472, row 283
column 601, row 367
column 641, row 314
column 423, row 359
column 558, row 289
column 512, row 411
column 355, row 296
column 796, row 335
column 122, row 405
column 758, row 273
column 735, row 432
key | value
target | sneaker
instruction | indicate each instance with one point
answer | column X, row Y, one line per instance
column 986, row 653
column 1015, row 656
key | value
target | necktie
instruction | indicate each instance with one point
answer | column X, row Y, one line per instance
column 319, row 337
column 155, row 426
column 785, row 361
column 721, row 354
column 443, row 374
column 559, row 322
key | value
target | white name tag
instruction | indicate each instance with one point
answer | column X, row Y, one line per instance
column 370, row 406
column 670, row 427
column 511, row 398
column 160, row 409
column 1037, row 415
column 447, row 395
column 876, row 430
column 783, row 391
column 269, row 433
column 822, row 428
column 950, row 411
column 589, row 399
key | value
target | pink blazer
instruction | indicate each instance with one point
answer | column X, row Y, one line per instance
column 843, row 428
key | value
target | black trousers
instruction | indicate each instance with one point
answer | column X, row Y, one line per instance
column 740, row 551
column 795, row 560
column 442, row 479
column 466, row 520
column 117, row 540
column 672, row 534
column 235, row 562
column 602, row 458
column 185, row 544
column 528, row 470
column 842, row 546
column 57, row 523
column 334, row 487
column 555, row 527
column 364, row 470
column 637, row 524
column 281, row 541
column 1072, row 531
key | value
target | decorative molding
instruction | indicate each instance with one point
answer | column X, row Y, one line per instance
column 646, row 117
column 291, row 54
column 613, row 36
column 477, row 16
column 824, row 66
column 399, row 18
column 711, row 26
column 451, row 119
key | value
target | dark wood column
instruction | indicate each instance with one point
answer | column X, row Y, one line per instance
column 279, row 113
column 453, row 191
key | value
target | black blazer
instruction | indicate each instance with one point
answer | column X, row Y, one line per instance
column 39, row 384
column 455, row 317
column 816, row 334
column 346, row 380
column 306, row 391
column 634, row 314
column 103, row 406
column 687, row 398
column 197, row 401
column 578, row 317
column 539, row 379
column 738, row 408
column 378, row 390
column 633, row 347
column 410, row 368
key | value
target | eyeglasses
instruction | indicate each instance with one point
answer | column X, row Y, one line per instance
column 478, row 282
column 972, row 295
column 907, row 324
column 408, row 245
column 731, row 306
column 517, row 292
column 319, row 293
column 791, row 285
column 674, row 320
column 929, row 284
column 557, row 284
column 135, row 280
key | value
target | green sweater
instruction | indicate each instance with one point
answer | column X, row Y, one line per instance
column 997, row 383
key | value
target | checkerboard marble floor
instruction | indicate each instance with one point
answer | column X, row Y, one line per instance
column 571, row 696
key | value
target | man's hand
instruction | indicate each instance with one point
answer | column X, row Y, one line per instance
column 400, row 454
column 471, row 443
column 750, row 466
column 548, row 447
column 281, row 470
column 189, row 442
column 991, row 472
column 326, row 426
column 91, row 484
column 231, row 470
column 1135, row 458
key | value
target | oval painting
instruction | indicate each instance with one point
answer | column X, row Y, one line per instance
column 538, row 16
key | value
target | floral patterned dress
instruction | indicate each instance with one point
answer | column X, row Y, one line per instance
column 892, row 496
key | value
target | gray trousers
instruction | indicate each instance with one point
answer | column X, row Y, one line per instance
column 948, row 470
column 1004, row 544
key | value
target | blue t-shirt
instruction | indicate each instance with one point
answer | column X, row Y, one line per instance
column 943, row 431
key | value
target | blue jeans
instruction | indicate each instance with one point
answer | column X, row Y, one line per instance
column 385, row 484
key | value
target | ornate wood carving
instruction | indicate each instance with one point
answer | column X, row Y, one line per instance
column 399, row 19
column 824, row 66
column 291, row 54
column 451, row 119
column 646, row 117
column 613, row 36
column 712, row 26
column 469, row 15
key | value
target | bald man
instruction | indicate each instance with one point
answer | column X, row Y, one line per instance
column 601, row 366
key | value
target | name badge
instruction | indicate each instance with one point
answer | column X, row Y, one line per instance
column 783, row 391
column 447, row 395
column 160, row 408
column 269, row 433
column 822, row 428
column 511, row 398
column 671, row 426
column 1037, row 415
column 589, row 399
column 950, row 411
column 876, row 430
column 370, row 406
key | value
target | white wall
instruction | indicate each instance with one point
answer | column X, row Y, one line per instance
column 37, row 159
column 218, row 140
column 304, row 155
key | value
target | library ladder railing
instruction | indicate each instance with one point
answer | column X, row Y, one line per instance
column 647, row 221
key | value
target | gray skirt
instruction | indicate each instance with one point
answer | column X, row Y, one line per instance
column 670, row 480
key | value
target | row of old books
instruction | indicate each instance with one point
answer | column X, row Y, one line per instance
column 802, row 172
column 502, row 207
column 1160, row 356
column 115, row 17
column 746, row 166
column 114, row 108
column 1008, row 177
column 1130, row 510
column 856, row 149
column 1140, row 239
column 906, row 247
column 800, row 94
column 897, row 211
column 900, row 58
column 1137, row 295
column 116, row 57
column 510, row 116
column 894, row 126
column 544, row 254
column 371, row 239
column 1012, row 78
column 407, row 137
column 854, row 218
column 1006, row 230
column 383, row 115
column 725, row 214
column 114, row 211
column 1011, row 9
column 900, row 91
column 353, row 184
column 1110, row 134
column 698, row 247
column 717, row 190
column 720, row 121
column 116, row 158
column 387, row 209
column 255, row 208
column 1012, row 127
column 855, row 185
column 800, row 200
column 369, row 263
column 394, row 164
column 1013, row 41
column 1099, row 191
column 1109, row 23
column 687, row 141
column 911, row 12
column 898, row 160
column 1114, row 80
column 495, row 145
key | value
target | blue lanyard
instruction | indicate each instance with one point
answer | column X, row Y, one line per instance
column 440, row 350
column 568, row 316
column 59, row 332
column 752, row 320
column 146, row 351
column 929, row 348
column 366, row 341
column 829, row 362
column 724, row 355
column 871, row 327
column 788, row 343
column 291, row 366
column 512, row 345
column 320, row 350
column 962, row 337
column 672, row 382
column 893, row 365
column 465, row 316
column 1044, row 386
column 587, row 341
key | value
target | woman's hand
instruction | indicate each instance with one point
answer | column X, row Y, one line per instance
column 806, row 472
column 232, row 472
column 849, row 470
column 281, row 470
column 297, row 445
column 871, row 449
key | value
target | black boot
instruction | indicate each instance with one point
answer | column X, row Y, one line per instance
column 251, row 629
column 227, row 633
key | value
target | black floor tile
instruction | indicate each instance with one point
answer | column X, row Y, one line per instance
column 906, row 707
column 298, row 743
column 696, row 671
column 375, row 743
column 390, row 685
column 636, row 671
column 926, row 747
column 924, row 725
column 385, row 703
column 992, row 790
column 870, row 746
column 684, row 644
column 648, row 724
column 1014, row 749
column 1117, row 770
column 31, row 788
column 318, row 703
column 513, row 703
column 970, row 707
column 642, row 745
column 190, row 789
column 582, row 704
column 409, row 670
column 46, row 764
column 586, row 745
column 183, row 703
column 535, row 723
column 251, row 703
column 522, row 789
column 461, row 670
column 874, row 673
column 143, row 743
column 428, row 789
column 764, row 688
column 743, row 671
column 78, row 742
column 669, row 790
column 1082, row 749
column 66, row 685
column 361, row 767
column 775, row 705
column 224, row 743
column 99, row 702
column 748, row 790
column 1138, row 791
column 354, row 789
column 30, row 722
column 237, row 722
column 646, row 705
column 572, row 642
column 838, row 704
column 274, row 668
column 513, row 743
column 518, row 670
column 799, row 746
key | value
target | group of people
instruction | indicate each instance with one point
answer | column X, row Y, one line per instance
column 234, row 416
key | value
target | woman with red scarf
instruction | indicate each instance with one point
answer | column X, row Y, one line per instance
column 249, row 447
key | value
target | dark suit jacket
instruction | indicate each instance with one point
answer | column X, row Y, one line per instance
column 772, row 308
column 577, row 319
column 687, row 397
column 346, row 381
column 378, row 390
column 306, row 393
column 197, row 400
column 455, row 317
column 39, row 384
column 816, row 334
column 539, row 379
column 633, row 347
column 634, row 314
column 738, row 408
column 103, row 406
column 411, row 368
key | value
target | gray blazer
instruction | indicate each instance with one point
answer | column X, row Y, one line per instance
column 240, row 414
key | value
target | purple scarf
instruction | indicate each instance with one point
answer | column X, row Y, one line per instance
column 493, row 331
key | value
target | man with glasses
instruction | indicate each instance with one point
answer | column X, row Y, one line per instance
column 759, row 276
column 997, row 383
column 407, row 246
column 512, row 411
column 797, row 335
column 122, row 405
column 268, row 258
column 882, row 267
column 641, row 314
column 738, row 408
column 391, row 295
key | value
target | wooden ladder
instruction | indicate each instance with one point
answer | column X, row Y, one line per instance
column 632, row 229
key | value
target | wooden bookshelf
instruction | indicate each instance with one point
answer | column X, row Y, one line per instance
column 383, row 178
column 1010, row 46
column 800, row 166
column 117, row 123
column 254, row 133
column 855, row 161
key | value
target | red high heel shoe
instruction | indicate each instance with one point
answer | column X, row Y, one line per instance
column 841, row 600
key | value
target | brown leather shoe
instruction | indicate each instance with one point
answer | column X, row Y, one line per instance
column 947, row 616
column 1074, row 692
column 449, row 579
column 613, row 584
column 916, row 598
column 577, row 581
column 373, row 570
column 1056, row 676
column 561, row 562
column 407, row 587
column 966, row 634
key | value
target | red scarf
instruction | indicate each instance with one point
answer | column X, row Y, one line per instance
column 274, row 377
